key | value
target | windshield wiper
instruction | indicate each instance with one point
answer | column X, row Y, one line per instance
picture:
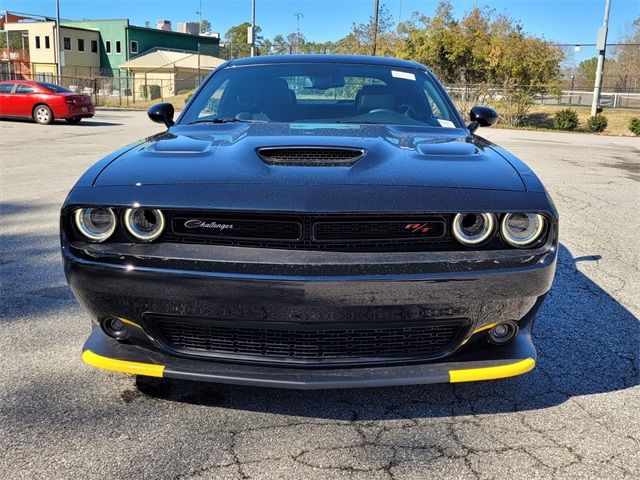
column 224, row 120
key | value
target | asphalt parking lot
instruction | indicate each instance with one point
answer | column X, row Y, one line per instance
column 577, row 415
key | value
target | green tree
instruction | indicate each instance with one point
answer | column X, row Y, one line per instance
column 205, row 26
column 360, row 40
column 280, row 46
column 236, row 40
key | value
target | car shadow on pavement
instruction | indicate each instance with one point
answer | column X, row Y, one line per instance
column 587, row 343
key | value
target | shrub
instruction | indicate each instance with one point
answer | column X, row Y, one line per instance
column 634, row 125
column 565, row 120
column 189, row 95
column 150, row 92
column 597, row 123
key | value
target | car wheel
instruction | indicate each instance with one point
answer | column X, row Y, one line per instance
column 43, row 115
column 74, row 120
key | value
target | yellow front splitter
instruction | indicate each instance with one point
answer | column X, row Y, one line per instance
column 455, row 376
column 124, row 366
column 492, row 373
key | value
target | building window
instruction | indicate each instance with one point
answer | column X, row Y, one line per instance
column 94, row 46
column 38, row 41
column 108, row 46
column 118, row 48
column 47, row 44
column 81, row 44
column 67, row 43
column 134, row 46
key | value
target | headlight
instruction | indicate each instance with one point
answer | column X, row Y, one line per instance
column 96, row 224
column 473, row 228
column 144, row 223
column 521, row 229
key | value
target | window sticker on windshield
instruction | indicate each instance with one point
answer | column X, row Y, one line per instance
column 405, row 75
column 446, row 123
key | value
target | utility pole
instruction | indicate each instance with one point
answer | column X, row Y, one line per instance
column 199, row 12
column 298, row 15
column 252, row 32
column 375, row 24
column 58, row 49
column 601, row 45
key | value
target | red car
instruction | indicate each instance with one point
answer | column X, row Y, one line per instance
column 44, row 102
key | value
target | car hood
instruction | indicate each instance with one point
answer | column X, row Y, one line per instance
column 394, row 156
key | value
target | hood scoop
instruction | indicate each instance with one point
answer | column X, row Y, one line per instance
column 310, row 156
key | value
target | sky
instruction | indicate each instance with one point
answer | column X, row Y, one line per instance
column 561, row 21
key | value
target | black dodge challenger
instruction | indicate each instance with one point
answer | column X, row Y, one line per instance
column 312, row 222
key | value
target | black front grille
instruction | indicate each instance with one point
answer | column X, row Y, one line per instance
column 310, row 156
column 308, row 343
column 344, row 232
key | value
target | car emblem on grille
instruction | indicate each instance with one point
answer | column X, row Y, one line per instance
column 195, row 223
column 417, row 227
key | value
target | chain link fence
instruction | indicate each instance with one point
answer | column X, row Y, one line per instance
column 135, row 91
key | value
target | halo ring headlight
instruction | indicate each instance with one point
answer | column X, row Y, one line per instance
column 95, row 223
column 473, row 228
column 522, row 229
column 145, row 224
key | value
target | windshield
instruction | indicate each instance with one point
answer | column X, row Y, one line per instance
column 55, row 88
column 322, row 93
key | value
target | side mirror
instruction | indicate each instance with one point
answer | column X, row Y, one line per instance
column 482, row 117
column 162, row 113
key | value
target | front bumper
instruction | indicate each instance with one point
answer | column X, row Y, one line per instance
column 306, row 288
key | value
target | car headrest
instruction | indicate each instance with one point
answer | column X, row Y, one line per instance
column 371, row 97
column 274, row 98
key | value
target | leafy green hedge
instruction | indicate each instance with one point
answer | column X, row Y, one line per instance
column 150, row 92
column 565, row 120
column 634, row 125
column 597, row 123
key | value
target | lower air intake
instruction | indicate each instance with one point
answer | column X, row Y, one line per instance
column 314, row 343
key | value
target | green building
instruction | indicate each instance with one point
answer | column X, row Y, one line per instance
column 120, row 41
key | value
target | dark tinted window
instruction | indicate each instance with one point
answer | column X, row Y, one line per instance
column 24, row 89
column 67, row 43
column 38, row 41
column 81, row 44
column 94, row 46
column 6, row 87
column 108, row 46
column 47, row 43
column 55, row 88
column 118, row 47
column 324, row 93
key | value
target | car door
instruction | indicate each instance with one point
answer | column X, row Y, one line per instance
column 23, row 100
column 5, row 98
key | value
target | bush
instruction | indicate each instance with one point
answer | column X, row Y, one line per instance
column 189, row 95
column 634, row 125
column 565, row 120
column 150, row 92
column 597, row 123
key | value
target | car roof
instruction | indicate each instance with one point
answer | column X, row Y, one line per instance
column 352, row 59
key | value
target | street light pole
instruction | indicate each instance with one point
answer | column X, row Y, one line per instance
column 375, row 25
column 58, row 49
column 298, row 15
column 253, row 28
column 602, row 45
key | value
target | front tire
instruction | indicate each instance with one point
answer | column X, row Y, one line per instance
column 74, row 120
column 42, row 115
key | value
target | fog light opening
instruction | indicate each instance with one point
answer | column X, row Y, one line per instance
column 114, row 327
column 503, row 332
